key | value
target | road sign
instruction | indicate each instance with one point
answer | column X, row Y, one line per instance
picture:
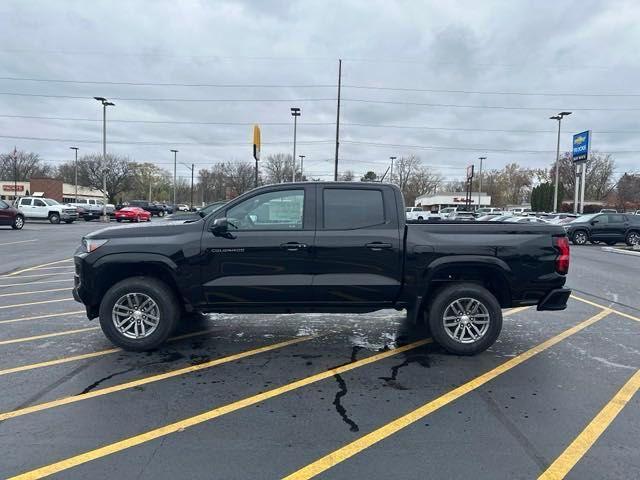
column 581, row 146
column 256, row 142
column 469, row 172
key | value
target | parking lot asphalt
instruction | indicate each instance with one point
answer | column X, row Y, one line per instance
column 300, row 396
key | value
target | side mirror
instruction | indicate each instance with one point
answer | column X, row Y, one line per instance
column 593, row 222
column 220, row 228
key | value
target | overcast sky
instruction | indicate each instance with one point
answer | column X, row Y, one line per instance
column 280, row 54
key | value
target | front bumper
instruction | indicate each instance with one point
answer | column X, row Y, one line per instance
column 81, row 291
column 64, row 216
column 556, row 299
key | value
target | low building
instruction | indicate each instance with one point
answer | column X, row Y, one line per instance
column 47, row 187
column 439, row 201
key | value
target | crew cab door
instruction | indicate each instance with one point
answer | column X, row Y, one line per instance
column 600, row 228
column 267, row 258
column 618, row 225
column 358, row 246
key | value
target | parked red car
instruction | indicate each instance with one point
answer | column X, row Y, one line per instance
column 133, row 214
column 11, row 216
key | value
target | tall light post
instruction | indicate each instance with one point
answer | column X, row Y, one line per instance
column 175, row 159
column 190, row 167
column 105, row 104
column 76, row 173
column 391, row 171
column 295, row 113
column 301, row 166
column 557, row 117
column 480, row 187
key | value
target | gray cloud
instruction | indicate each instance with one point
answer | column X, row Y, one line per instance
column 561, row 47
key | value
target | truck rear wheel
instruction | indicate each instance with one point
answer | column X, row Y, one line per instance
column 465, row 319
column 139, row 313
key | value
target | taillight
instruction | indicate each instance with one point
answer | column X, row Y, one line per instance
column 562, row 260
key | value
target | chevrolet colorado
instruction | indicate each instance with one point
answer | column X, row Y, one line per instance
column 320, row 247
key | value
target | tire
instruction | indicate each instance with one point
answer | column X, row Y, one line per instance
column 54, row 218
column 611, row 243
column 119, row 220
column 68, row 222
column 455, row 299
column 579, row 237
column 87, row 219
column 161, row 213
column 137, row 220
column 420, row 218
column 165, row 307
column 633, row 238
column 18, row 222
column 149, row 218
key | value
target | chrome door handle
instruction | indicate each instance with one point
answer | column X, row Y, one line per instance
column 377, row 246
column 293, row 246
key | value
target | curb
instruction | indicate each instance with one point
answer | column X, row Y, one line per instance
column 620, row 251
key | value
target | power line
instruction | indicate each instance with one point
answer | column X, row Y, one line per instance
column 162, row 84
column 307, row 124
column 125, row 99
column 149, row 143
column 484, row 92
column 496, row 107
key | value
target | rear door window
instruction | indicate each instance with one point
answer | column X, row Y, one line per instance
column 348, row 209
column 616, row 219
column 25, row 202
column 38, row 203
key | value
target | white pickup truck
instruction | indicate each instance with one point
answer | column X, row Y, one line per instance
column 419, row 213
column 46, row 209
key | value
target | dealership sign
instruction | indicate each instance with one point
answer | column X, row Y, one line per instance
column 13, row 188
column 581, row 146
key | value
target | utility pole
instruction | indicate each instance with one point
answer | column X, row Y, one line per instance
column 76, row 172
column 192, row 168
column 301, row 166
column 15, row 176
column 105, row 104
column 175, row 160
column 391, row 171
column 295, row 112
column 335, row 170
column 480, row 187
column 557, row 117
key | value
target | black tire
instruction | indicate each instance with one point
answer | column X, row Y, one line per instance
column 68, row 221
column 161, row 213
column 87, row 219
column 118, row 220
column 471, row 292
column 420, row 218
column 18, row 222
column 137, row 220
column 633, row 238
column 160, row 293
column 54, row 218
column 580, row 237
column 611, row 242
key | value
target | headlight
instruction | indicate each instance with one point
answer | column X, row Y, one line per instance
column 91, row 244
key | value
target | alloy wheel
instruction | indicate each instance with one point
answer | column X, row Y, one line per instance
column 135, row 315
column 466, row 320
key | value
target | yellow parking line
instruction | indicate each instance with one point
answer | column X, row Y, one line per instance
column 36, row 267
column 84, row 356
column 70, row 279
column 357, row 446
column 38, row 317
column 146, row 380
column 617, row 312
column 36, row 291
column 583, row 442
column 36, row 275
column 36, row 303
column 209, row 415
column 47, row 335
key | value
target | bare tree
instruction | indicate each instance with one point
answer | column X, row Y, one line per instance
column 599, row 176
column 279, row 168
column 240, row 176
column 21, row 166
column 403, row 170
column 422, row 182
column 116, row 168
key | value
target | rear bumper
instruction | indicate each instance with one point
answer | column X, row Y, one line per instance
column 556, row 299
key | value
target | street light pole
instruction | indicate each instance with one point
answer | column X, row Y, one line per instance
column 175, row 159
column 557, row 117
column 192, row 167
column 295, row 112
column 105, row 104
column 480, row 187
column 76, row 172
column 301, row 166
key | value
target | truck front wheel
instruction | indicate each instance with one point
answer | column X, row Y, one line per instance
column 465, row 318
column 139, row 313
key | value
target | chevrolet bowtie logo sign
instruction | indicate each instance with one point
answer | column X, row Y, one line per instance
column 581, row 145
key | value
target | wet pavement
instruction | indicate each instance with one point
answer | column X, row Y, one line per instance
column 299, row 396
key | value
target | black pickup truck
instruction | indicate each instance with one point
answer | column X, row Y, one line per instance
column 320, row 247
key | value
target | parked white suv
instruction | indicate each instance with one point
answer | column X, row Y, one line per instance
column 415, row 213
column 46, row 208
